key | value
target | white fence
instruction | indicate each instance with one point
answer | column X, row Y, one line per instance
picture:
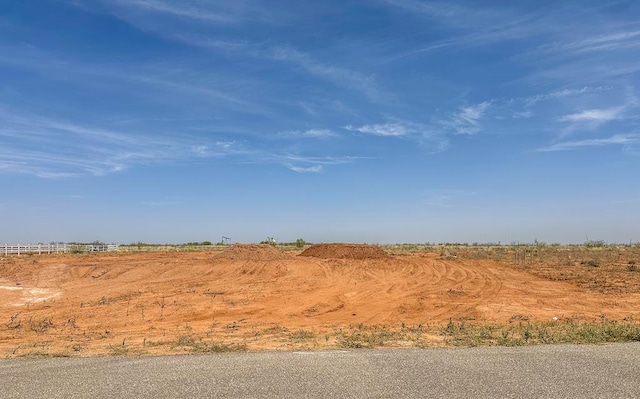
column 39, row 249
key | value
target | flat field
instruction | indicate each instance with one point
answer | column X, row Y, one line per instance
column 253, row 297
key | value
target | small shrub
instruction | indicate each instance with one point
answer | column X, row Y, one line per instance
column 591, row 262
column 302, row 335
column 595, row 244
column 40, row 326
column 77, row 249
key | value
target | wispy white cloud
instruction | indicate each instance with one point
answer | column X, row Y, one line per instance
column 618, row 139
column 467, row 119
column 310, row 164
column 67, row 149
column 453, row 15
column 607, row 41
column 310, row 133
column 181, row 9
column 52, row 148
column 593, row 115
column 522, row 114
column 302, row 169
column 338, row 75
column 429, row 137
column 218, row 149
column 167, row 81
column 50, row 165
column 383, row 129
column 537, row 98
column 207, row 12
column 214, row 43
column 473, row 26
column 594, row 118
column 321, row 160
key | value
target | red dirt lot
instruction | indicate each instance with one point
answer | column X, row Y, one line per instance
column 260, row 297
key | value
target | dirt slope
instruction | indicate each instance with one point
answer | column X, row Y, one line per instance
column 95, row 304
column 254, row 252
column 345, row 251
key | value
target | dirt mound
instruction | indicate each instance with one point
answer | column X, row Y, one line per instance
column 255, row 252
column 345, row 251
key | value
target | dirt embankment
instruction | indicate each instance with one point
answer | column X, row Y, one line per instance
column 253, row 252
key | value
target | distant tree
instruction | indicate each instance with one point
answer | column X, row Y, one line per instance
column 300, row 242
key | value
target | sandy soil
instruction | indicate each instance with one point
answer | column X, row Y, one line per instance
column 96, row 304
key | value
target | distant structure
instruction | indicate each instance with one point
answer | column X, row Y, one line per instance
column 272, row 240
column 55, row 248
column 225, row 240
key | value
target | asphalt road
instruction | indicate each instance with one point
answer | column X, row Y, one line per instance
column 558, row 371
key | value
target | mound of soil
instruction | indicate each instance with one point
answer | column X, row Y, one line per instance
column 255, row 252
column 345, row 251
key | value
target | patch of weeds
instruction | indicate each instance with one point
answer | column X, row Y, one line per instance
column 463, row 334
column 118, row 350
column 632, row 267
column 361, row 336
column 233, row 326
column 201, row 346
column 415, row 329
column 41, row 326
column 184, row 340
column 302, row 335
column 590, row 262
column 218, row 347
column 552, row 332
column 77, row 348
column 14, row 322
column 119, row 298
column 148, row 342
column 275, row 330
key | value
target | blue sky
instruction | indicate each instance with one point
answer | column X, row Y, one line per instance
column 363, row 121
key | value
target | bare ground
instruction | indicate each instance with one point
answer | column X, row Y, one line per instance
column 256, row 299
